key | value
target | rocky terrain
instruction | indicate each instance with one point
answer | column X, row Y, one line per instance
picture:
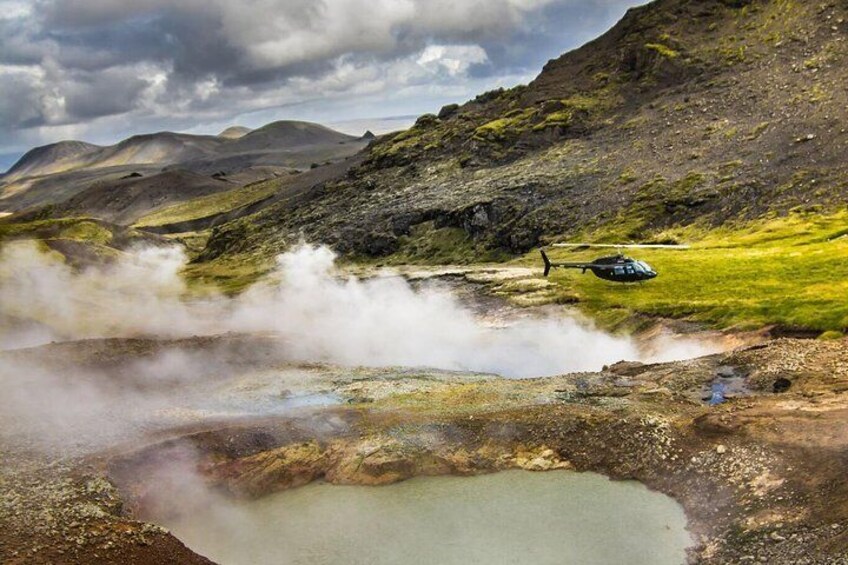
column 761, row 476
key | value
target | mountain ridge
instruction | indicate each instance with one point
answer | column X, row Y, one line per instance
column 167, row 147
column 50, row 174
column 234, row 132
column 48, row 157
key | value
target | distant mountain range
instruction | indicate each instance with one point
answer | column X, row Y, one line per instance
column 81, row 177
column 168, row 148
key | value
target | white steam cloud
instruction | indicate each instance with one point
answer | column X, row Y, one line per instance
column 320, row 316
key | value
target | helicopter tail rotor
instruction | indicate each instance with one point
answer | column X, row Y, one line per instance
column 547, row 262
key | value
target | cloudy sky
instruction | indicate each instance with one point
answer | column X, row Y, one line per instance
column 100, row 70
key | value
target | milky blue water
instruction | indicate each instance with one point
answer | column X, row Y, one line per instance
column 556, row 517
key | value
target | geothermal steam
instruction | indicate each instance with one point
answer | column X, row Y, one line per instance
column 319, row 316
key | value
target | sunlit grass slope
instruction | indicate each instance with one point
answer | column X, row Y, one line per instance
column 210, row 205
column 791, row 272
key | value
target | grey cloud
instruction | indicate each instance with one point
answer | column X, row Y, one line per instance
column 90, row 13
column 105, row 93
column 20, row 101
column 239, row 41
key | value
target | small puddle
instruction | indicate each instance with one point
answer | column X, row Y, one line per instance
column 280, row 404
column 510, row 517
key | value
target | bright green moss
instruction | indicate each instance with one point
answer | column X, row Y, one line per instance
column 506, row 127
column 831, row 335
column 211, row 205
column 663, row 50
column 87, row 231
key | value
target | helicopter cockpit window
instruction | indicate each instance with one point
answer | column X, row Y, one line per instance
column 630, row 270
column 619, row 270
column 644, row 267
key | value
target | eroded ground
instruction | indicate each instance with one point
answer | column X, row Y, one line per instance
column 761, row 476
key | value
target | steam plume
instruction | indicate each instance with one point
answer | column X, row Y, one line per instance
column 321, row 317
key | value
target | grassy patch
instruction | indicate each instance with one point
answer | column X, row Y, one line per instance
column 790, row 271
column 507, row 127
column 663, row 50
column 194, row 242
column 757, row 131
column 76, row 229
column 230, row 274
column 80, row 240
column 87, row 231
column 566, row 111
column 210, row 205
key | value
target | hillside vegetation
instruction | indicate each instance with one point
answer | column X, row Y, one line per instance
column 702, row 122
column 210, row 205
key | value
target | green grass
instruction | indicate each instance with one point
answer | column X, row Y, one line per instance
column 229, row 274
column 791, row 272
column 97, row 238
column 663, row 50
column 210, row 205
column 87, row 231
column 193, row 242
column 788, row 271
column 502, row 128
column 75, row 229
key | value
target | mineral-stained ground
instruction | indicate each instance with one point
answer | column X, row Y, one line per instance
column 761, row 476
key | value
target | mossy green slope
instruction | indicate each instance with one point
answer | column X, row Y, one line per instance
column 791, row 272
column 80, row 241
column 210, row 205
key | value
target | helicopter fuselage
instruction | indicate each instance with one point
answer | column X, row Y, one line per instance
column 615, row 268
column 621, row 269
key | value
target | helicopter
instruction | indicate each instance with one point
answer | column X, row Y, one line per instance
column 615, row 268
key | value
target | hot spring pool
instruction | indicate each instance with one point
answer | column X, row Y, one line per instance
column 511, row 517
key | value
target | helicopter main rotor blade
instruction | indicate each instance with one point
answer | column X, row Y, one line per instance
column 625, row 245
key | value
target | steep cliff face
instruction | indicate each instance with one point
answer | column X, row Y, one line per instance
column 685, row 111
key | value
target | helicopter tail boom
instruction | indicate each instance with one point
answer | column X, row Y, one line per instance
column 549, row 265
